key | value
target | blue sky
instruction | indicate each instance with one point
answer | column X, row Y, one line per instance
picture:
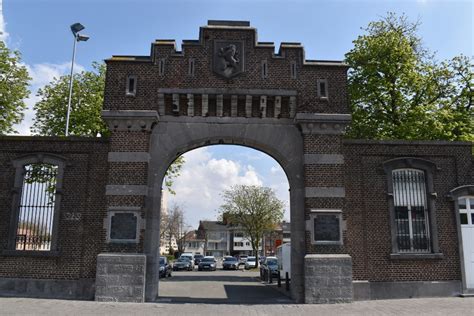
column 40, row 30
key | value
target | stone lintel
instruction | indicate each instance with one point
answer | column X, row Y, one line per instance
column 325, row 192
column 323, row 159
column 323, row 123
column 129, row 157
column 130, row 120
column 257, row 92
column 126, row 189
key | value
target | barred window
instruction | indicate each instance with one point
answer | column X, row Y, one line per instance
column 36, row 210
column 36, row 202
column 411, row 210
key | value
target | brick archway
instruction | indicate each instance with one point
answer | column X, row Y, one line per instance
column 169, row 139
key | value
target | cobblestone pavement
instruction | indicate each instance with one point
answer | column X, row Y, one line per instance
column 431, row 306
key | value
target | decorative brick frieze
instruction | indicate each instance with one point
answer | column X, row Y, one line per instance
column 130, row 120
column 322, row 123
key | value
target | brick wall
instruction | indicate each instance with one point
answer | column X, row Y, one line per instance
column 84, row 179
column 368, row 238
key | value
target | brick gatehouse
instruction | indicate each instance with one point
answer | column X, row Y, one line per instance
column 369, row 219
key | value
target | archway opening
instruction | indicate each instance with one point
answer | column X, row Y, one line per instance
column 193, row 223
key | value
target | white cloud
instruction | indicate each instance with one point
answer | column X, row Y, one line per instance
column 202, row 181
column 41, row 75
column 3, row 30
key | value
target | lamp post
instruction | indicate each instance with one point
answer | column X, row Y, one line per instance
column 75, row 28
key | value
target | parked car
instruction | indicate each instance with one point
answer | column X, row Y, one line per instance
column 182, row 263
column 207, row 263
column 261, row 259
column 189, row 256
column 270, row 265
column 165, row 267
column 243, row 259
column 197, row 259
column 251, row 263
column 230, row 263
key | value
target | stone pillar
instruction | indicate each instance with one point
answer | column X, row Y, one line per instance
column 190, row 104
column 248, row 106
column 263, row 105
column 219, row 105
column 328, row 279
column 120, row 277
column 277, row 106
column 233, row 105
column 205, row 104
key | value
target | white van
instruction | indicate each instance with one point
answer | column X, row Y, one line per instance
column 283, row 253
column 188, row 255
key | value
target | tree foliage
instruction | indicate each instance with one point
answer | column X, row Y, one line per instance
column 255, row 209
column 86, row 105
column 399, row 91
column 14, row 82
column 172, row 224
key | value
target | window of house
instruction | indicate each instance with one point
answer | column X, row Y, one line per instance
column 35, row 216
column 411, row 210
column 293, row 69
column 264, row 69
column 322, row 88
column 412, row 207
column 191, row 66
column 238, row 234
column 161, row 67
column 247, row 243
column 131, row 85
column 466, row 210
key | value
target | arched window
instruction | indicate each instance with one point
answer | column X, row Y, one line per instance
column 36, row 199
column 412, row 207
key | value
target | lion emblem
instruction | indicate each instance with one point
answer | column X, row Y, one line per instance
column 228, row 59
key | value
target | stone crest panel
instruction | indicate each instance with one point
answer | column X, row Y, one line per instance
column 228, row 58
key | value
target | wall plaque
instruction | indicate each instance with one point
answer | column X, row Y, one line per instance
column 123, row 226
column 327, row 227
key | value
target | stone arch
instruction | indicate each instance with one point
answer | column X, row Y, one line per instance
column 283, row 142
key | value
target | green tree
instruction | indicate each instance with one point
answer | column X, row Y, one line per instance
column 14, row 81
column 253, row 208
column 399, row 91
column 86, row 105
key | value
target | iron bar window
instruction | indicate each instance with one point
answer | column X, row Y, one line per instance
column 37, row 207
column 411, row 210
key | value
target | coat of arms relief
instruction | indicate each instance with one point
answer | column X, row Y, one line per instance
column 228, row 58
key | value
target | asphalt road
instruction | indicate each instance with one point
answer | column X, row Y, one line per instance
column 219, row 287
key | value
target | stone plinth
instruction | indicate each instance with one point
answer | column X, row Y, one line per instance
column 120, row 277
column 328, row 279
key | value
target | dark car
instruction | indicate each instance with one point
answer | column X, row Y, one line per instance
column 198, row 258
column 207, row 263
column 165, row 267
column 269, row 265
column 230, row 263
column 182, row 264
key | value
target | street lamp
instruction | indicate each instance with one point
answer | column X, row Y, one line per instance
column 75, row 28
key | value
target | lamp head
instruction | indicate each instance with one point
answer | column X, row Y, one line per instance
column 82, row 38
column 76, row 27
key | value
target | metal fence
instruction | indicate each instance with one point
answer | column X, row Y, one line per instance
column 411, row 211
column 36, row 209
